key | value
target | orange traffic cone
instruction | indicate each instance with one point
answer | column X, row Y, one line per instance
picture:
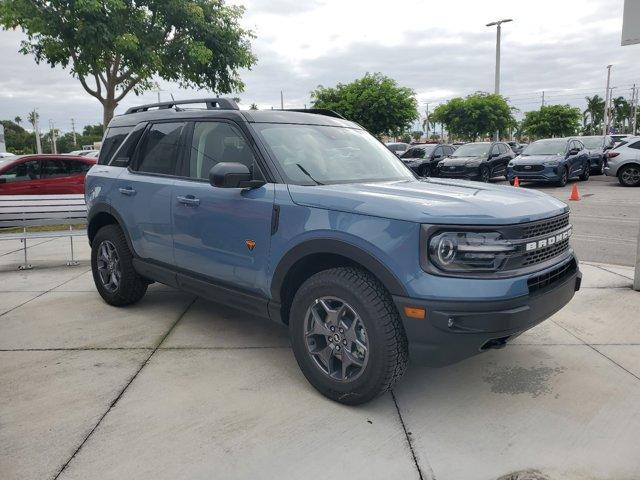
column 574, row 193
column 516, row 182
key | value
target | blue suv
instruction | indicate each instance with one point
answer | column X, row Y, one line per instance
column 553, row 160
column 304, row 218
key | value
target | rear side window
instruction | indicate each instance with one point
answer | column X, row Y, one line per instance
column 112, row 140
column 160, row 149
column 635, row 145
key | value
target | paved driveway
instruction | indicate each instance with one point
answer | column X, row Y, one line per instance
column 177, row 387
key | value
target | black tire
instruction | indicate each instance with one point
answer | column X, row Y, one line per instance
column 564, row 177
column 584, row 176
column 485, row 175
column 512, row 181
column 386, row 342
column 130, row 287
column 629, row 175
column 599, row 169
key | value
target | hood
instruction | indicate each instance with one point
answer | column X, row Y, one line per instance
column 536, row 159
column 433, row 200
column 462, row 160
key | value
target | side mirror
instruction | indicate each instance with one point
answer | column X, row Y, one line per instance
column 574, row 151
column 232, row 175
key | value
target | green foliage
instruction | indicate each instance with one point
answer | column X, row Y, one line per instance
column 18, row 140
column 117, row 46
column 552, row 121
column 416, row 135
column 374, row 101
column 477, row 115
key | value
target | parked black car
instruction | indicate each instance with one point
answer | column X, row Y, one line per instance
column 597, row 147
column 477, row 161
column 423, row 159
column 398, row 147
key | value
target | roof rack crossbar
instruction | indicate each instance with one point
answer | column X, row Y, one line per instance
column 318, row 111
column 211, row 103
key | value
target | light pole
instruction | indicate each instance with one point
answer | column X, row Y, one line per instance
column 605, row 127
column 497, row 79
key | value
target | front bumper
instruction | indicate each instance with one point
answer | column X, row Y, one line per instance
column 453, row 331
column 547, row 174
column 465, row 172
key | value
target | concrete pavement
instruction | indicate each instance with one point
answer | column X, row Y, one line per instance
column 178, row 387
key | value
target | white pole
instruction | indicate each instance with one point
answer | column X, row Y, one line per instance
column 636, row 277
column 605, row 127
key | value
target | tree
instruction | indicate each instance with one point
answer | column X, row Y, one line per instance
column 593, row 115
column 416, row 135
column 117, row 46
column 253, row 107
column 18, row 140
column 477, row 115
column 374, row 101
column 552, row 121
column 18, row 119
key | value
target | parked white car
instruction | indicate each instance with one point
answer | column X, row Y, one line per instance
column 624, row 162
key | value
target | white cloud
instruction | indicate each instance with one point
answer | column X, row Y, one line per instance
column 438, row 49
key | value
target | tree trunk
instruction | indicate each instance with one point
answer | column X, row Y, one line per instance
column 109, row 106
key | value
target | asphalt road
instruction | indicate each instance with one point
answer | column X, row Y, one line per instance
column 605, row 221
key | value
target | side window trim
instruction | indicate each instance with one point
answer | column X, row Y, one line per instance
column 116, row 155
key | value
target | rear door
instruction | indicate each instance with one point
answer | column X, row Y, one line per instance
column 63, row 176
column 142, row 195
column 222, row 234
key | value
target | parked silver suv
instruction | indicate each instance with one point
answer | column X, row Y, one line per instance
column 624, row 162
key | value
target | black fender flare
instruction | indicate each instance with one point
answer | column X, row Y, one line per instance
column 102, row 207
column 336, row 247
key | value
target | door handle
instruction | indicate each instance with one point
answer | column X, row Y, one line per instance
column 127, row 191
column 188, row 200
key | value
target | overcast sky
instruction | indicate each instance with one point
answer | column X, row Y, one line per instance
column 440, row 49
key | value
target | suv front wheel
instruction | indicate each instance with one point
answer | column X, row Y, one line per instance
column 347, row 336
column 112, row 266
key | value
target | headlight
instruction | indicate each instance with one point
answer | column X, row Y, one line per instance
column 468, row 251
column 511, row 164
column 550, row 163
column 441, row 164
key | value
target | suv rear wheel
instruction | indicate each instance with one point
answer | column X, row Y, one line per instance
column 629, row 175
column 112, row 267
column 347, row 335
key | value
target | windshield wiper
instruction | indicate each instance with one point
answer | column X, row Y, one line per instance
column 308, row 174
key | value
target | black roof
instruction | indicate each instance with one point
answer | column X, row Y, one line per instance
column 226, row 108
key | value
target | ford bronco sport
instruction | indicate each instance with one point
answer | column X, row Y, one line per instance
column 305, row 218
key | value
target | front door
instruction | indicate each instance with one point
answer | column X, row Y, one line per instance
column 144, row 192
column 221, row 233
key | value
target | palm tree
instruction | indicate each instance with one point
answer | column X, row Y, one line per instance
column 593, row 116
column 622, row 111
column 18, row 119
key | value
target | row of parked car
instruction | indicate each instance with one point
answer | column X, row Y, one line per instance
column 555, row 160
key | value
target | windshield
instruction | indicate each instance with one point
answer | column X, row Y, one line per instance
column 418, row 152
column 320, row 155
column 546, row 147
column 472, row 150
column 592, row 142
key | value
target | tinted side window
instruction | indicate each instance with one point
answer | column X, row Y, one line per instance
column 55, row 168
column 112, row 140
column 635, row 145
column 77, row 167
column 438, row 152
column 161, row 148
column 29, row 170
column 122, row 156
column 215, row 142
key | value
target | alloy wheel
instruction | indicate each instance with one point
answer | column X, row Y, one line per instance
column 108, row 263
column 336, row 338
column 630, row 176
column 484, row 175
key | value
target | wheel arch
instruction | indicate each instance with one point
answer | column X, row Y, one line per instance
column 101, row 215
column 313, row 256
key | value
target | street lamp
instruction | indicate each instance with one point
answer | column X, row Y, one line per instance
column 497, row 79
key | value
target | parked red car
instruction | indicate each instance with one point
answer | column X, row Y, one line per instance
column 43, row 174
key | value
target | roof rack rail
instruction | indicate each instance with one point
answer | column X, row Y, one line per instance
column 317, row 111
column 211, row 103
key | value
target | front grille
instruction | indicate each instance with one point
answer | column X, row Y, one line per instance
column 546, row 253
column 549, row 278
column 537, row 229
column 528, row 168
